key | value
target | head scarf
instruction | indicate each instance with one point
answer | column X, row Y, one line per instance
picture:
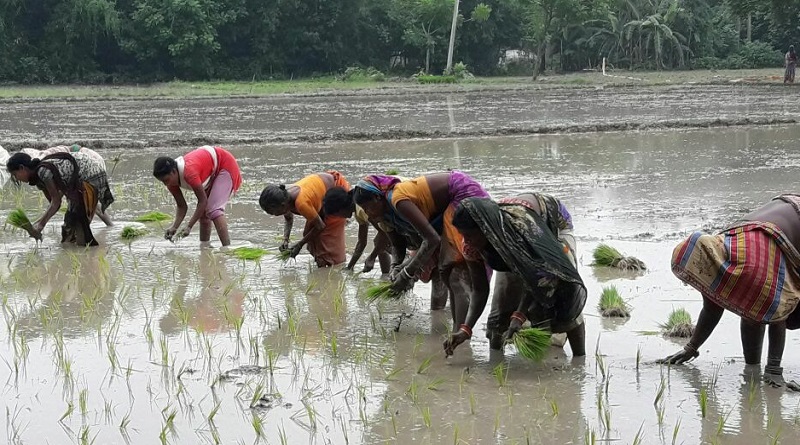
column 383, row 186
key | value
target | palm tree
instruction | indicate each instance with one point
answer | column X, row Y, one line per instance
column 655, row 33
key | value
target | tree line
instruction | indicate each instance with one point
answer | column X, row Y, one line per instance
column 95, row 41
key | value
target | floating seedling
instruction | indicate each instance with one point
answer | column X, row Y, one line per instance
column 393, row 172
column 154, row 217
column 679, row 324
column 532, row 343
column 607, row 256
column 612, row 305
column 248, row 253
column 131, row 232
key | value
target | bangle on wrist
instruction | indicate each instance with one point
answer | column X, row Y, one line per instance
column 690, row 348
column 517, row 315
column 465, row 329
column 404, row 271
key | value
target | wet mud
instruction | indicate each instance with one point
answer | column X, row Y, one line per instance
column 182, row 122
column 153, row 342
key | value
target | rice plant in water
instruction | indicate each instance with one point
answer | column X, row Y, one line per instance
column 532, row 343
column 248, row 253
column 154, row 217
column 393, row 172
column 679, row 324
column 284, row 255
column 611, row 303
column 605, row 255
column 131, row 232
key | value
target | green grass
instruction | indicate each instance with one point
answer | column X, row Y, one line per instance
column 427, row 79
column 331, row 85
column 532, row 343
column 248, row 253
column 131, row 232
column 19, row 219
column 611, row 303
column 154, row 217
column 679, row 324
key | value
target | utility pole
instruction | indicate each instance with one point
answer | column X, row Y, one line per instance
column 452, row 46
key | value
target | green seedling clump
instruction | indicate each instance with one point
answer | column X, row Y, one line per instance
column 154, row 217
column 19, row 219
column 393, row 172
column 382, row 291
column 131, row 232
column 679, row 324
column 607, row 256
column 532, row 343
column 284, row 255
column 248, row 253
column 612, row 305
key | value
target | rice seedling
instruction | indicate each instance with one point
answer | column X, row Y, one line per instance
column 607, row 256
column 675, row 432
column 284, row 255
column 532, row 343
column 423, row 367
column 637, row 440
column 611, row 303
column 723, row 419
column 751, row 393
column 382, row 291
column 434, row 384
column 660, row 394
column 426, row 416
column 472, row 403
column 19, row 219
column 248, row 253
column 777, row 436
column 392, row 172
column 703, row 401
column 679, row 324
column 590, row 437
column 131, row 232
column 500, row 373
column 153, row 217
column 554, row 407
column 258, row 427
column 83, row 402
column 68, row 412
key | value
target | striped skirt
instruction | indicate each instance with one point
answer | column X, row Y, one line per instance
column 750, row 269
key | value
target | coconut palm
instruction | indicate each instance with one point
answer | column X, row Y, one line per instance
column 655, row 34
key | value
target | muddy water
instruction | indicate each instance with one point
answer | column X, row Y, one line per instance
column 154, row 122
column 150, row 342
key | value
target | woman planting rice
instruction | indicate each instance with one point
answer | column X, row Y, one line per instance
column 528, row 240
column 339, row 202
column 323, row 233
column 750, row 269
column 423, row 208
column 86, row 152
column 212, row 173
column 78, row 178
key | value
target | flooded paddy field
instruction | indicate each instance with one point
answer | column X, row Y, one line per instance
column 148, row 122
column 154, row 342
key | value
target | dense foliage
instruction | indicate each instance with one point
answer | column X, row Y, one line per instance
column 47, row 41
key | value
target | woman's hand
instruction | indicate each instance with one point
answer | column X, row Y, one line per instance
column 453, row 341
column 170, row 233
column 679, row 357
column 403, row 281
column 295, row 250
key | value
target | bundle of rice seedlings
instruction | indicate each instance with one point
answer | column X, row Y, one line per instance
column 248, row 253
column 284, row 255
column 532, row 343
column 382, row 291
column 393, row 172
column 605, row 255
column 154, row 217
column 679, row 324
column 19, row 219
column 612, row 305
column 131, row 232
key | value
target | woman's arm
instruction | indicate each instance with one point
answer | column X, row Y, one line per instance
column 363, row 231
column 430, row 239
column 319, row 226
column 199, row 210
column 182, row 208
column 54, row 195
column 288, row 221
